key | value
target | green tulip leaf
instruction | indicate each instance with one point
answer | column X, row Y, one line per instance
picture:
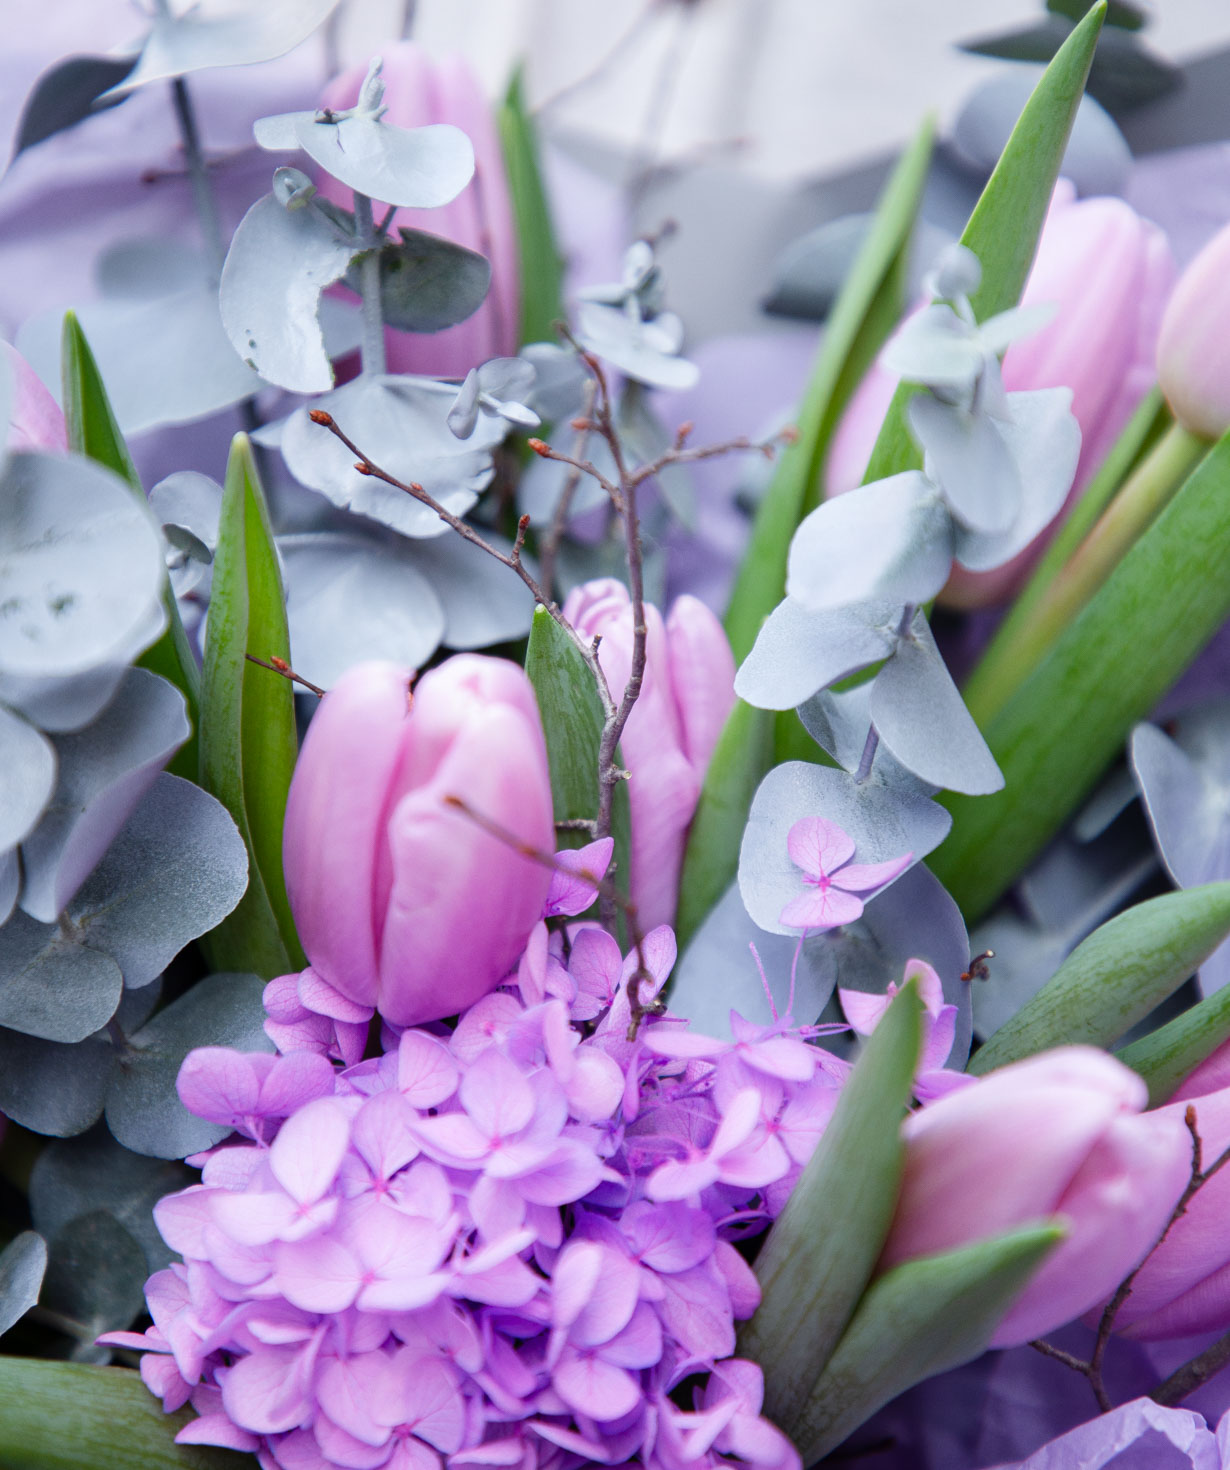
column 74, row 1416
column 1166, row 1056
column 921, row 1318
column 1007, row 220
column 1059, row 730
column 1115, row 977
column 868, row 307
column 822, row 1249
column 94, row 433
column 248, row 740
column 542, row 266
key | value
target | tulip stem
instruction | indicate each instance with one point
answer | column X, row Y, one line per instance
column 1026, row 637
column 372, row 346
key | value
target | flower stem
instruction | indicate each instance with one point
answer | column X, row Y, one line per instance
column 1050, row 605
column 202, row 189
column 369, row 288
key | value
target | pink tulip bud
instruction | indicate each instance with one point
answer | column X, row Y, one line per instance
column 1193, row 349
column 417, row 91
column 1061, row 1137
column 686, row 695
column 35, row 420
column 403, row 901
column 1109, row 273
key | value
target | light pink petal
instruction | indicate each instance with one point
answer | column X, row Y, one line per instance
column 294, row 1081
column 486, row 1023
column 639, row 1343
column 308, row 1150
column 596, row 1086
column 453, row 1138
column 430, row 1400
column 863, row 877
column 266, row 1392
column 258, row 1217
column 670, row 1237
column 317, row 1275
column 675, row 1041
column 696, row 1310
column 740, row 1280
column 383, row 1133
column 569, row 1173
column 594, row 1388
column 681, row 1179
column 939, row 1041
column 804, row 1119
column 818, row 846
column 217, row 1429
column 755, row 1164
column 342, row 1449
column 571, row 892
column 184, row 1218
column 218, row 1084
column 496, row 1095
column 610, row 1302
column 317, row 995
column 596, row 965
column 820, row 909
column 738, row 1122
column 781, row 1056
column 344, row 1391
column 863, row 1009
column 702, row 673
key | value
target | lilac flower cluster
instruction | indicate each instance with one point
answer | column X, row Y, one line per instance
column 508, row 1242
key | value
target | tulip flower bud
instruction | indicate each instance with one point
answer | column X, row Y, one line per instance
column 1193, row 348
column 401, row 900
column 1109, row 273
column 686, row 695
column 418, row 91
column 1057, row 1135
column 35, row 420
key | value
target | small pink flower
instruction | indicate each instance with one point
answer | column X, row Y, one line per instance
column 832, row 883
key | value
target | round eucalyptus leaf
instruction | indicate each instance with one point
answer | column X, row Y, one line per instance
column 80, row 572
column 74, row 1176
column 967, row 457
column 188, row 505
column 645, row 350
column 885, row 821
column 51, row 1087
column 143, row 1108
column 95, row 1274
column 10, row 882
column 105, row 769
column 1184, row 793
column 399, row 423
column 483, row 602
column 428, row 283
column 718, row 972
column 66, row 94
column 798, row 652
column 890, row 540
column 559, row 381
column 27, row 776
column 350, row 598
column 51, row 986
column 279, row 262
column 197, row 40
column 23, row 1263
column 175, row 871
column 413, row 168
column 148, row 268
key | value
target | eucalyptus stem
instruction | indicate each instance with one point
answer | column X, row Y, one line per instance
column 1051, row 607
column 372, row 347
column 202, row 190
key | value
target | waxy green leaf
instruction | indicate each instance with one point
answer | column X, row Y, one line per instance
column 823, row 1247
column 1115, row 977
column 1068, row 720
column 73, row 1416
column 1007, row 220
column 1166, row 1056
column 921, row 1318
column 248, row 740
column 94, row 433
column 542, row 266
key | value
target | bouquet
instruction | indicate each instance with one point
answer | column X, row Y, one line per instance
column 566, row 899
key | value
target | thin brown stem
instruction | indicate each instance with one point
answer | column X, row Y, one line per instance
column 1192, row 1374
column 280, row 666
column 549, row 550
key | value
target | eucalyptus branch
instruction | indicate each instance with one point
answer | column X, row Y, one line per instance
column 549, row 549
column 198, row 173
column 1192, row 1374
column 368, row 241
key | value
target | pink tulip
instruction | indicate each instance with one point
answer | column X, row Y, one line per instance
column 686, row 695
column 1193, row 349
column 401, row 901
column 1058, row 1136
column 1109, row 272
column 1184, row 1287
column 35, row 420
column 419, row 91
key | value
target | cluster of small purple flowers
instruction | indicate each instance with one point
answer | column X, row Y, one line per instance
column 508, row 1242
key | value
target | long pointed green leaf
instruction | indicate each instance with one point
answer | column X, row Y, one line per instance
column 921, row 1318
column 1007, row 220
column 94, row 433
column 1060, row 729
column 248, row 740
column 869, row 306
column 1116, row 976
column 1166, row 1056
column 822, row 1249
column 542, row 266
column 572, row 723
column 743, row 754
column 73, row 1416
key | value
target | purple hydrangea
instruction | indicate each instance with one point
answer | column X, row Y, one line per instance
column 508, row 1241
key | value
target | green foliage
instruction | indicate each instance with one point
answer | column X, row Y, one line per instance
column 1166, row 1056
column 542, row 267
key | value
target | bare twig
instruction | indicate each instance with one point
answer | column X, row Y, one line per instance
column 549, row 549
column 280, row 666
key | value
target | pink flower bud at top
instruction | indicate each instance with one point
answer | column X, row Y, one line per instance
column 1063, row 1137
column 1193, row 348
column 402, row 900
column 1108, row 272
column 418, row 91
column 35, row 420
column 686, row 695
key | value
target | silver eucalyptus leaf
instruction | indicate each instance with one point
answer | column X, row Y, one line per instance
column 967, row 458
column 483, row 602
column 1186, row 793
column 798, row 652
column 96, row 1276
column 647, row 351
column 52, row 1087
column 23, row 1263
column 104, row 770
column 51, row 986
column 10, row 882
column 543, row 482
column 27, row 777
